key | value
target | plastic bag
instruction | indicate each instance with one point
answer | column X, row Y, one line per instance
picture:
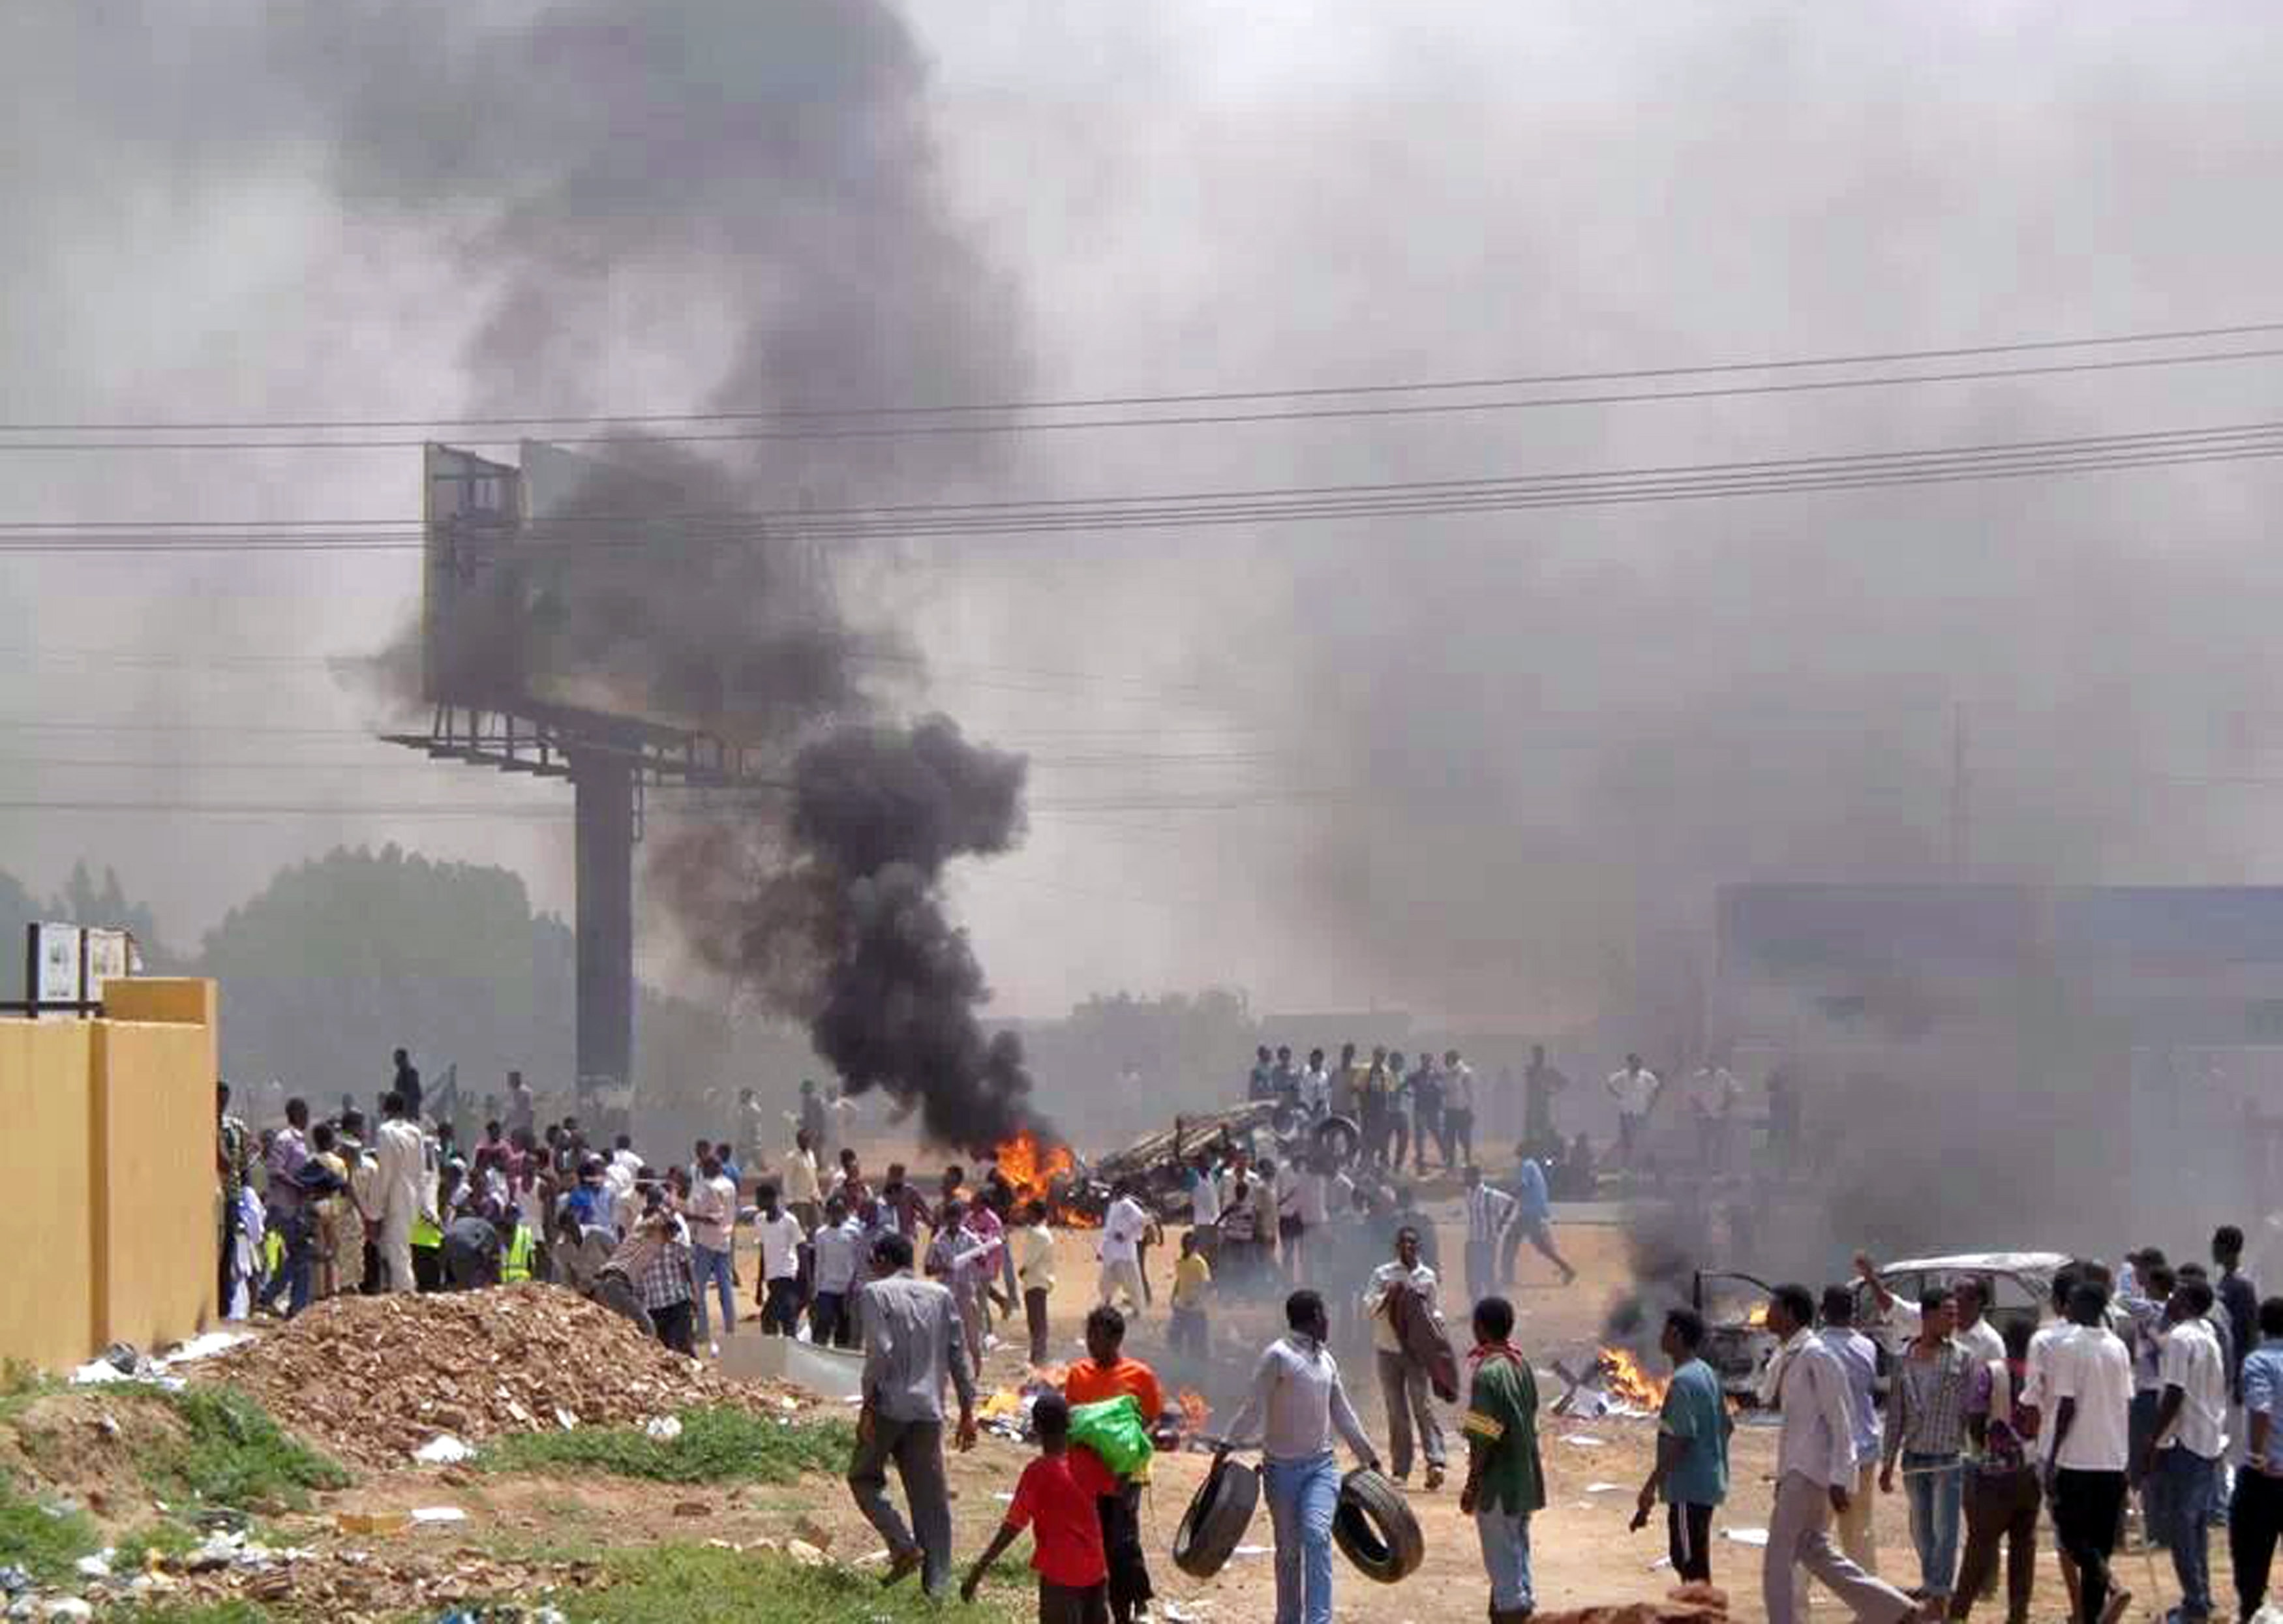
column 1113, row 1429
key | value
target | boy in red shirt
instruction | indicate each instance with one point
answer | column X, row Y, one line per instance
column 1056, row 1498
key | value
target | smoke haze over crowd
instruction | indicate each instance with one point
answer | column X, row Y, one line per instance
column 1488, row 768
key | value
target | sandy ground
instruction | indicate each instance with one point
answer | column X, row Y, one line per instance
column 1583, row 1553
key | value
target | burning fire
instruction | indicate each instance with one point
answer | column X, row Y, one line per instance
column 1629, row 1382
column 1194, row 1411
column 1759, row 1316
column 1042, row 1172
column 1030, row 1167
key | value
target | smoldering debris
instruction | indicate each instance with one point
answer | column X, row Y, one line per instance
column 835, row 916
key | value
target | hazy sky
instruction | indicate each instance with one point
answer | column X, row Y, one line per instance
column 1452, row 764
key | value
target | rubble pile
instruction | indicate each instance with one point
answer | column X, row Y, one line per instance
column 375, row 1379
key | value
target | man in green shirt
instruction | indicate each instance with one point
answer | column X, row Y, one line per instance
column 1691, row 1451
column 1505, row 1482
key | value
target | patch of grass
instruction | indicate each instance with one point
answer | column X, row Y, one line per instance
column 719, row 1444
column 233, row 1454
column 43, row 1545
column 187, row 1613
column 698, row 1584
column 20, row 1384
column 168, row 1538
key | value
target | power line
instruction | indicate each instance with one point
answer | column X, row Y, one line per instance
column 1200, row 509
column 1190, row 397
column 1318, row 414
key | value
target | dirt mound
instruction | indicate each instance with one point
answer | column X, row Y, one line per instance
column 373, row 1379
column 90, row 1447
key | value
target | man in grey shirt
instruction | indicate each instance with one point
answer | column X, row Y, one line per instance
column 912, row 1341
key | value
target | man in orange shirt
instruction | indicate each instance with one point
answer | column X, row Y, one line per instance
column 1107, row 1373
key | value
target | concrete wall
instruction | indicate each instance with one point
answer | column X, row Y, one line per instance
column 110, row 1139
column 47, row 1289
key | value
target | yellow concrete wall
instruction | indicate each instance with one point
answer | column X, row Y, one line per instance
column 47, row 1285
column 109, row 1139
column 153, row 1206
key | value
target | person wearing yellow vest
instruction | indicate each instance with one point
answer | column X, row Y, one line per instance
column 520, row 1250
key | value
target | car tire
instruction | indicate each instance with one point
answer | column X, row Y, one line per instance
column 1218, row 1514
column 1339, row 1138
column 1375, row 1529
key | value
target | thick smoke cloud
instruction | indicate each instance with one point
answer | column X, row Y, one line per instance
column 837, row 918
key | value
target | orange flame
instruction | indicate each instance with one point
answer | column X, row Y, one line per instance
column 1629, row 1382
column 1759, row 1316
column 1035, row 1169
column 1194, row 1411
column 1030, row 1167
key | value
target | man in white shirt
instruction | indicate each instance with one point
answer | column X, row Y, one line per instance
column 800, row 1188
column 1489, row 1211
column 401, row 1158
column 838, row 1246
column 1974, row 1332
column 1713, row 1093
column 1815, row 1472
column 1633, row 1088
column 780, row 1235
column 2181, row 1464
column 712, row 1210
column 2089, row 1382
column 1124, row 1227
column 1403, row 1376
column 1205, row 1204
column 1316, row 1085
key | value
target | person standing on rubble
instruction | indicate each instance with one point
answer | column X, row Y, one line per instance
column 913, row 1344
column 405, row 1188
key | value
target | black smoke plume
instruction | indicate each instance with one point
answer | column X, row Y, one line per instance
column 835, row 917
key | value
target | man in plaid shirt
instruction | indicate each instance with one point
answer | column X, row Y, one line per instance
column 665, row 1284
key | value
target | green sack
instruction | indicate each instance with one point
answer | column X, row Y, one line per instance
column 1114, row 1430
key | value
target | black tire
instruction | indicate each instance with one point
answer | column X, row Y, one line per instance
column 1375, row 1529
column 1215, row 1524
column 1339, row 1138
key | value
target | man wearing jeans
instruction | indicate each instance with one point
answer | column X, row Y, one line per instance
column 1295, row 1403
column 1859, row 1361
column 1926, row 1429
column 2256, row 1515
column 1505, row 1481
column 912, row 1344
column 1815, row 1466
column 2181, row 1460
column 780, row 1236
column 712, row 1210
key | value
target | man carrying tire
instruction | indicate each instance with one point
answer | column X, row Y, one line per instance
column 1295, row 1403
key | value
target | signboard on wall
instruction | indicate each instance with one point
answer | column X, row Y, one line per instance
column 66, row 966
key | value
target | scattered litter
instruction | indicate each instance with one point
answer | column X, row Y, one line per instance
column 1662, row 1562
column 1251, row 1550
column 68, row 1607
column 1009, row 1498
column 443, row 1450
column 1193, row 1613
column 564, row 1419
column 14, row 1581
column 815, row 1532
column 1746, row 1536
column 439, row 1513
column 1584, row 1441
column 97, row 1566
column 880, row 1555
column 206, row 1347
column 804, row 1553
column 1605, row 1488
column 664, row 1429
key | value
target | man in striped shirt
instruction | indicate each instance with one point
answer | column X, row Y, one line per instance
column 1489, row 1212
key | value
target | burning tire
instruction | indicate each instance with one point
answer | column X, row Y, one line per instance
column 1218, row 1517
column 1339, row 1138
column 1375, row 1529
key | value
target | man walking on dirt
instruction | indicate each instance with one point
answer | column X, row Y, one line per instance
column 1403, row 1376
column 1815, row 1472
column 913, row 1343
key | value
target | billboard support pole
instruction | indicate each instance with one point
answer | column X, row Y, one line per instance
column 604, row 790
